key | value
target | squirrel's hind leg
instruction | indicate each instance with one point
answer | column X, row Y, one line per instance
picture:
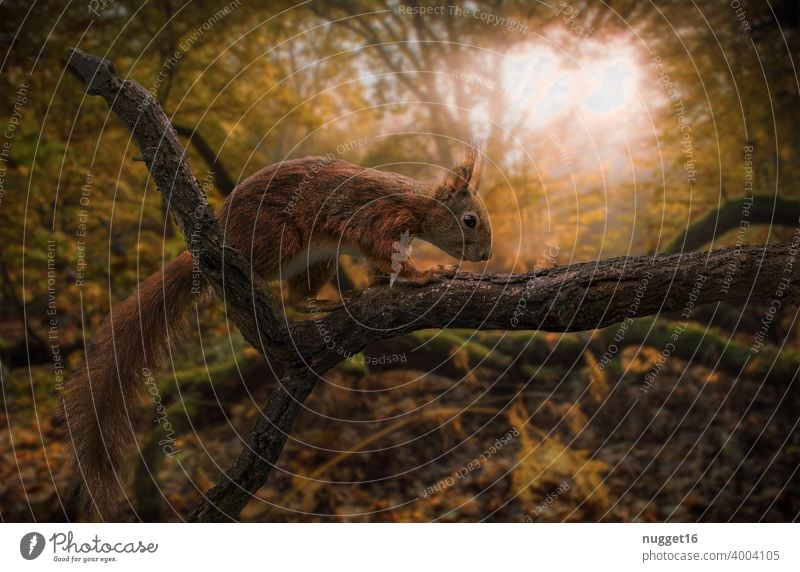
column 304, row 287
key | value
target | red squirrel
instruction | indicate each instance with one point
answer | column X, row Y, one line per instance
column 290, row 221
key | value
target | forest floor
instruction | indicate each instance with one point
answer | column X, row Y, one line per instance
column 457, row 431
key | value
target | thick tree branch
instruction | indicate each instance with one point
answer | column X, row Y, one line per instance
column 578, row 297
column 583, row 296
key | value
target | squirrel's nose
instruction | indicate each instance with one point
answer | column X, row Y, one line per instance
column 486, row 255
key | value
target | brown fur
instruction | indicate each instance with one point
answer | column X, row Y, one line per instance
column 103, row 395
column 290, row 221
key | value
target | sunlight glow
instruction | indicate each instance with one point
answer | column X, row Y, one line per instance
column 541, row 84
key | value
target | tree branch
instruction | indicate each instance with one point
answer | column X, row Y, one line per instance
column 577, row 297
column 758, row 209
column 253, row 309
column 222, row 179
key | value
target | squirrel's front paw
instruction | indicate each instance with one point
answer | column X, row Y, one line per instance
column 444, row 271
column 436, row 274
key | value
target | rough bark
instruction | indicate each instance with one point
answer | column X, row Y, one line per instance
column 573, row 298
column 570, row 298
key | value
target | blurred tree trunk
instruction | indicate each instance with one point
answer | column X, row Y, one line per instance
column 761, row 209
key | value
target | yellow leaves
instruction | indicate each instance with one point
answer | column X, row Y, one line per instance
column 460, row 359
column 639, row 359
column 574, row 417
column 598, row 382
column 544, row 462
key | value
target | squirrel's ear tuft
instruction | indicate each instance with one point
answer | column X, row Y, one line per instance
column 466, row 176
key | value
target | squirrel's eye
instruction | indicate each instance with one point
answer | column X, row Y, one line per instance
column 470, row 220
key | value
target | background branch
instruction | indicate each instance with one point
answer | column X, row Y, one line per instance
column 222, row 178
column 758, row 209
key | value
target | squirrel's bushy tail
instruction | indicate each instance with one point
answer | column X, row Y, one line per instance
column 104, row 393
